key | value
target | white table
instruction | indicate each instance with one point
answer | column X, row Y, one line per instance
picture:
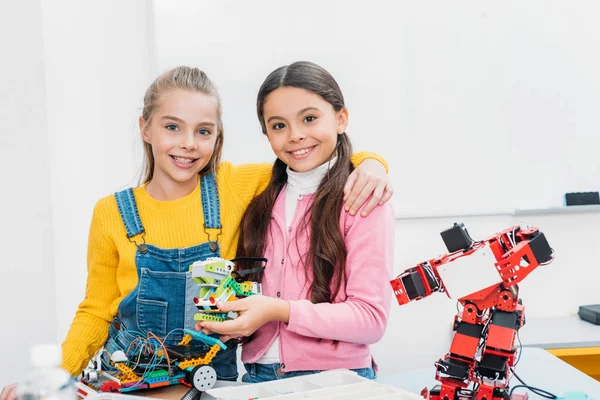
column 559, row 333
column 536, row 367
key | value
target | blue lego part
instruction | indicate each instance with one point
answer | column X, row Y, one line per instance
column 575, row 396
column 209, row 340
column 144, row 385
column 176, row 377
column 157, row 379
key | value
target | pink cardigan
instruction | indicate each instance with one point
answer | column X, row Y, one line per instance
column 357, row 318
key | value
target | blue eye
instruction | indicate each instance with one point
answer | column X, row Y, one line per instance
column 172, row 127
column 278, row 126
column 204, row 132
column 309, row 118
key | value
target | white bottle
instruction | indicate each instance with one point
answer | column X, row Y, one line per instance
column 47, row 380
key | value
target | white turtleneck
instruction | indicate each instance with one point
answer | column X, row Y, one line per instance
column 298, row 185
column 301, row 183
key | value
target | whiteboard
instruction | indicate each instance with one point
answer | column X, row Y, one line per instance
column 478, row 106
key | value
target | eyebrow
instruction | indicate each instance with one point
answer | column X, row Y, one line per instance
column 173, row 118
column 183, row 122
column 299, row 113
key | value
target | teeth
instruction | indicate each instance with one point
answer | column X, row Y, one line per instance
column 300, row 152
column 183, row 160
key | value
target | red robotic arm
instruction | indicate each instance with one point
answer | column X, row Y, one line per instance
column 482, row 351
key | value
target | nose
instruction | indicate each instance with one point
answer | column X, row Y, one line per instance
column 296, row 134
column 188, row 141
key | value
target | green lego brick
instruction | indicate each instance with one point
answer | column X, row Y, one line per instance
column 207, row 317
column 217, row 267
column 157, row 373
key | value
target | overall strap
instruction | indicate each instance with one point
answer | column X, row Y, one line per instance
column 211, row 207
column 130, row 216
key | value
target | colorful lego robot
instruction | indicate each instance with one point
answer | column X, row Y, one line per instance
column 220, row 280
column 481, row 358
column 148, row 364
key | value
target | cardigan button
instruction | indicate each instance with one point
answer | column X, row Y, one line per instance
column 278, row 294
column 280, row 371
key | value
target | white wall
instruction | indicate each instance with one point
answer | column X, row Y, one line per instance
column 73, row 78
column 27, row 296
column 98, row 65
column 499, row 96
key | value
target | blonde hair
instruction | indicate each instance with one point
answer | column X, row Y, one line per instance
column 187, row 78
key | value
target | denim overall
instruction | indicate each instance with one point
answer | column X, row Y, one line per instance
column 162, row 302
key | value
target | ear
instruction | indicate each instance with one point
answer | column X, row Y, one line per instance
column 342, row 120
column 143, row 124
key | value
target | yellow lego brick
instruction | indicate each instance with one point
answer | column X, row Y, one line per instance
column 185, row 340
column 127, row 374
column 201, row 360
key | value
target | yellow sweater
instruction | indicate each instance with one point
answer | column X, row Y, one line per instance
column 112, row 272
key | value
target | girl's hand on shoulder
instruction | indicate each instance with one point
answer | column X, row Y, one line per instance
column 253, row 312
column 369, row 178
column 9, row 392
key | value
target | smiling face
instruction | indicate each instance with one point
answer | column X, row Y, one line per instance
column 302, row 127
column 182, row 133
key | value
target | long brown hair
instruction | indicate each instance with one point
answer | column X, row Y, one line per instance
column 327, row 252
column 187, row 78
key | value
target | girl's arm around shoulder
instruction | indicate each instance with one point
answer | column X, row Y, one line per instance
column 244, row 181
column 89, row 329
column 254, row 178
column 359, row 157
column 362, row 316
column 240, row 184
